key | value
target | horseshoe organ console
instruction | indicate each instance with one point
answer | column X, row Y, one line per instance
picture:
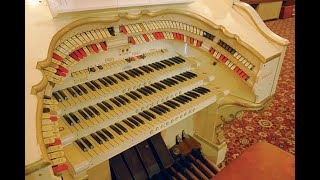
column 112, row 81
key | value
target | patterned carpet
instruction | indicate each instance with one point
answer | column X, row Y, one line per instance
column 276, row 124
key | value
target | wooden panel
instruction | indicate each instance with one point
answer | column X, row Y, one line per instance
column 269, row 10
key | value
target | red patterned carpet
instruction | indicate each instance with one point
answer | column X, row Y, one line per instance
column 276, row 124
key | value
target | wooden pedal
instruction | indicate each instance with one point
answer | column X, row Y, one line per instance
column 134, row 163
column 119, row 169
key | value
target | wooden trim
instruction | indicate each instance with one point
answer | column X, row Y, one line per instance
column 36, row 166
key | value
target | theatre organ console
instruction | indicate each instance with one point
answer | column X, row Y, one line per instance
column 112, row 79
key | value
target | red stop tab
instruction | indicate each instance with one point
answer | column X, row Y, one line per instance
column 155, row 35
column 132, row 59
column 53, row 118
column 77, row 53
column 236, row 69
column 212, row 51
column 103, row 46
column 224, row 59
column 191, row 40
column 74, row 57
column 221, row 58
column 138, row 57
column 83, row 53
column 60, row 168
column 182, row 37
column 123, row 29
column 60, row 73
column 56, row 142
column 146, row 37
column 132, row 40
column 57, row 57
column 199, row 43
column 63, row 69
column 95, row 48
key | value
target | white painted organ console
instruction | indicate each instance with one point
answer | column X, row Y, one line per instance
column 110, row 80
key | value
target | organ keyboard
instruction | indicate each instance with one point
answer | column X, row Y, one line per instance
column 112, row 81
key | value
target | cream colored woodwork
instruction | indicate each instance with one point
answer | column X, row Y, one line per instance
column 236, row 24
column 269, row 10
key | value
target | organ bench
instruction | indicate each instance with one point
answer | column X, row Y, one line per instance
column 111, row 79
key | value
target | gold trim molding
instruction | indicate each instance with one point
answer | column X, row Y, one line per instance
column 45, row 63
column 36, row 166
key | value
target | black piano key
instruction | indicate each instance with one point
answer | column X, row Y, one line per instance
column 192, row 74
column 90, row 86
column 107, row 133
column 121, row 127
column 108, row 80
column 166, row 63
column 147, row 67
column 163, row 107
column 72, row 92
column 181, row 77
column 178, row 79
column 94, row 110
column 174, row 60
column 143, row 92
column 92, row 69
column 166, row 83
column 145, row 116
column 158, row 65
column 69, row 121
column 124, row 76
column 174, row 103
column 147, row 90
column 138, row 119
column 119, row 77
column 96, row 138
column 102, row 107
column 103, row 82
column 107, row 105
column 100, row 67
column 83, row 89
column 115, row 102
column 156, row 111
column 86, row 141
column 63, row 95
column 144, row 69
column 179, row 100
column 161, row 85
column 191, row 95
column 169, row 82
column 182, row 99
column 120, row 100
column 138, row 71
column 132, row 96
column 129, row 124
column 133, row 121
column 159, row 109
column 82, row 147
column 102, row 136
column 83, row 114
column 150, row 114
column 131, row 74
column 96, row 84
column 77, row 90
column 89, row 112
column 113, row 79
column 173, row 81
column 58, row 98
column 180, row 59
column 186, row 97
column 116, row 129
column 186, row 75
column 74, row 117
column 170, row 105
column 135, row 72
column 125, row 99
column 157, row 87
column 205, row 89
column 151, row 89
column 199, row 91
column 194, row 93
column 154, row 66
